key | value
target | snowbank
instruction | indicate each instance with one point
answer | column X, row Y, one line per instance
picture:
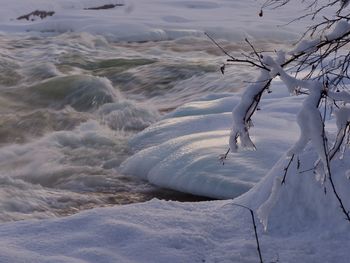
column 305, row 225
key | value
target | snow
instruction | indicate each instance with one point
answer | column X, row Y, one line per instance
column 240, row 123
column 162, row 232
column 309, row 117
column 306, row 46
column 340, row 95
column 341, row 28
column 311, row 125
column 343, row 117
column 182, row 151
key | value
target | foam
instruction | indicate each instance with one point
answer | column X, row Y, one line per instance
column 38, row 176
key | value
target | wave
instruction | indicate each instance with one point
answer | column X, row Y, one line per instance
column 81, row 92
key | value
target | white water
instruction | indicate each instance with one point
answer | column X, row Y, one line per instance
column 69, row 105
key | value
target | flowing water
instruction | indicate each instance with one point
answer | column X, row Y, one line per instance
column 69, row 104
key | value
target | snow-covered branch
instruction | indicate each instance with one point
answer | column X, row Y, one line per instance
column 309, row 56
column 324, row 63
column 245, row 109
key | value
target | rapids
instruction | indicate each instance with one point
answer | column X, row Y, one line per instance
column 69, row 105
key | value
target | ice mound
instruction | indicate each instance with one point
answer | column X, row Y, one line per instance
column 182, row 151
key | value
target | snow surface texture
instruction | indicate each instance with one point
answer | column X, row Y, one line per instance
column 304, row 225
column 152, row 20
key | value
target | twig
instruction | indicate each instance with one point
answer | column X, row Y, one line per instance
column 254, row 225
column 223, row 157
column 107, row 6
column 232, row 58
column 345, row 212
column 254, row 50
column 286, row 170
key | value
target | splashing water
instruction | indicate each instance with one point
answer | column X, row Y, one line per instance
column 70, row 103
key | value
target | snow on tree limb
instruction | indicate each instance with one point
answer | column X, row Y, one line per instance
column 244, row 110
column 341, row 27
column 309, row 118
column 325, row 65
column 343, row 96
column 343, row 122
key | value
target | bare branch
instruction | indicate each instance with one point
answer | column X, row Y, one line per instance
column 254, row 227
column 232, row 58
column 286, row 170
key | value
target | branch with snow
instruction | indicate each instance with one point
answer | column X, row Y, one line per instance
column 245, row 109
column 324, row 64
